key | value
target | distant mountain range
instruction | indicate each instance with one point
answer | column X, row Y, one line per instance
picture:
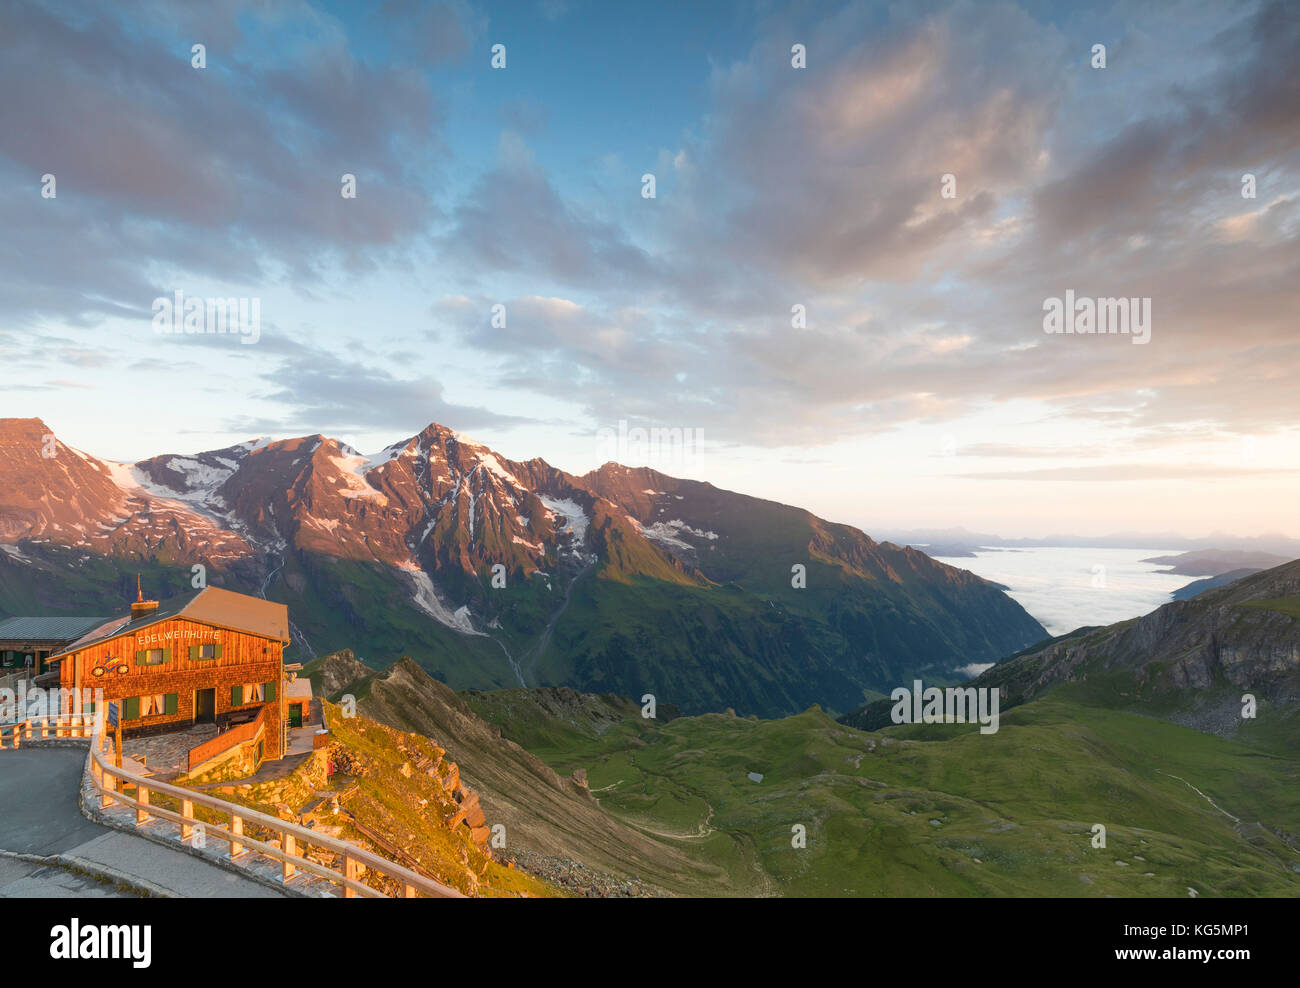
column 1218, row 567
column 1214, row 562
column 622, row 580
column 960, row 541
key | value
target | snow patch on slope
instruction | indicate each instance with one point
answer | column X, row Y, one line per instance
column 133, row 481
column 575, row 519
column 670, row 532
column 426, row 599
column 328, row 524
column 490, row 462
column 387, row 455
column 352, row 469
column 199, row 475
column 201, row 482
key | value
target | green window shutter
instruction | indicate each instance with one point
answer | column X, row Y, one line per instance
column 131, row 708
column 270, row 692
column 217, row 651
column 167, row 654
column 236, row 696
column 169, row 702
column 194, row 652
column 141, row 657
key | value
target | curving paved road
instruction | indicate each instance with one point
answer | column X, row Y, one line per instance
column 39, row 816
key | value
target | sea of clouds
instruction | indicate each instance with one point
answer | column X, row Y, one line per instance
column 1068, row 588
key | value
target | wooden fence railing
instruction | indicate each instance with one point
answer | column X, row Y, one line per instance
column 46, row 728
column 294, row 841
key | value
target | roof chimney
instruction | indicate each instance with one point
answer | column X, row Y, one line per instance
column 141, row 608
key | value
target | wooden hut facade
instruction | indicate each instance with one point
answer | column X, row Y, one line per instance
column 209, row 657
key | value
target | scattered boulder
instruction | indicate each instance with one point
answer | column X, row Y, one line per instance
column 457, row 818
column 347, row 762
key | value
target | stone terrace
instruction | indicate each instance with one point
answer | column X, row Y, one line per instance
column 165, row 756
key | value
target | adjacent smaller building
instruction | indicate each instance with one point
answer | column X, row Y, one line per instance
column 212, row 656
column 27, row 642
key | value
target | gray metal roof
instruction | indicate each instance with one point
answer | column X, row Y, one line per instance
column 47, row 629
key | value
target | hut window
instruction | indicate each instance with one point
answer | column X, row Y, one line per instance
column 153, row 656
column 254, row 692
column 158, row 704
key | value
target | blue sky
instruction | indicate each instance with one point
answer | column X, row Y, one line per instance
column 923, row 390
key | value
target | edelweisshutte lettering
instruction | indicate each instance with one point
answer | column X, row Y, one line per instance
column 203, row 634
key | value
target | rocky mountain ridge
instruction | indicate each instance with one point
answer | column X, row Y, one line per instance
column 492, row 572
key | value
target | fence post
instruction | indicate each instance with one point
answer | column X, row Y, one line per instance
column 236, row 828
column 187, row 814
column 290, row 846
column 350, row 873
column 142, row 796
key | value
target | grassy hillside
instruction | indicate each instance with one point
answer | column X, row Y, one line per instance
column 382, row 799
column 943, row 811
column 551, row 820
column 1289, row 606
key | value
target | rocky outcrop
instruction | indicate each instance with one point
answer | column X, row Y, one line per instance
column 336, row 671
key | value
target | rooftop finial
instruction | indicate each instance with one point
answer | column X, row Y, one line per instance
column 139, row 592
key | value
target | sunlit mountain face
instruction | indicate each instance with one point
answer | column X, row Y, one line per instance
column 494, row 572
